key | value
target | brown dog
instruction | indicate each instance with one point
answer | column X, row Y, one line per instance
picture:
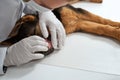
column 73, row 19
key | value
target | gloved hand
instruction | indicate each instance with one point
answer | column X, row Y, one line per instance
column 24, row 51
column 48, row 21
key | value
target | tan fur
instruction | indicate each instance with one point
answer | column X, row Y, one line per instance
column 89, row 22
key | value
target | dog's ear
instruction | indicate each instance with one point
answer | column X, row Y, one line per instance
column 16, row 28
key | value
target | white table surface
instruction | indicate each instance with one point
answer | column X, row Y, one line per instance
column 84, row 56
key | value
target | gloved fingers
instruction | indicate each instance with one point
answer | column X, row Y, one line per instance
column 39, row 48
column 53, row 36
column 60, row 41
column 36, row 38
column 61, row 35
column 32, row 40
column 37, row 56
column 38, row 42
column 44, row 30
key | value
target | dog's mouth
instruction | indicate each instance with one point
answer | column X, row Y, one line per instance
column 49, row 43
column 50, row 48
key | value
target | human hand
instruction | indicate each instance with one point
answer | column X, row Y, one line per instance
column 49, row 22
column 24, row 51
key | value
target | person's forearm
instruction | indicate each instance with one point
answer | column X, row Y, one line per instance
column 51, row 4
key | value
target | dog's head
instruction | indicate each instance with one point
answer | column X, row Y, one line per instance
column 26, row 26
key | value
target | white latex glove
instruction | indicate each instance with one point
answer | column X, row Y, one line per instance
column 48, row 21
column 24, row 51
